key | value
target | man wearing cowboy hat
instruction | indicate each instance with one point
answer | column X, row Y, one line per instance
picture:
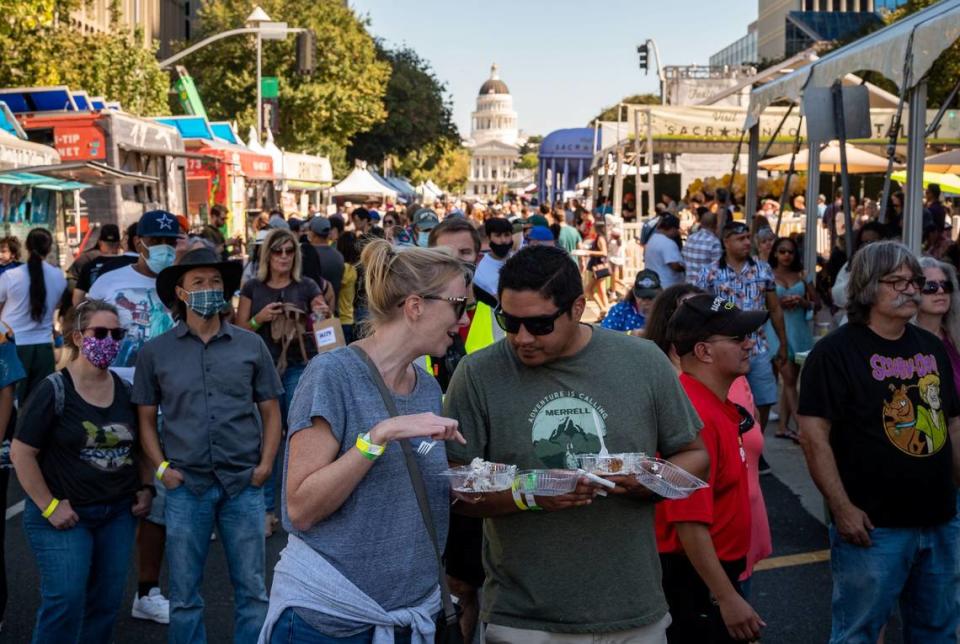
column 207, row 376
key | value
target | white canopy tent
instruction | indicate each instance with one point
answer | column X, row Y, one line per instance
column 903, row 52
column 361, row 183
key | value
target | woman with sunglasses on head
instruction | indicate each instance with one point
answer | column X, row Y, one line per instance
column 346, row 482
column 278, row 293
column 797, row 297
column 939, row 310
column 76, row 456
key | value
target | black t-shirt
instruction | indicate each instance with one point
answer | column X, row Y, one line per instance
column 93, row 269
column 888, row 402
column 300, row 294
column 331, row 266
column 89, row 454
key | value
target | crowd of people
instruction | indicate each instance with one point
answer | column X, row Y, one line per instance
column 193, row 400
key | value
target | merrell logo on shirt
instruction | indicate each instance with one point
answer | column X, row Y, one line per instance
column 565, row 424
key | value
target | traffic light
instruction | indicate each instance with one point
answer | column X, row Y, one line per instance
column 306, row 52
column 642, row 52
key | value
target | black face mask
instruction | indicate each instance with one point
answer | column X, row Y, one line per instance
column 501, row 250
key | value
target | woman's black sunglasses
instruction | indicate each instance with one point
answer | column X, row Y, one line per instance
column 460, row 304
column 746, row 419
column 535, row 325
column 100, row 332
column 931, row 287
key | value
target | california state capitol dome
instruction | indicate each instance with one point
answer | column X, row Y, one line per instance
column 494, row 141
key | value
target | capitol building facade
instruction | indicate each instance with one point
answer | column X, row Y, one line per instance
column 495, row 140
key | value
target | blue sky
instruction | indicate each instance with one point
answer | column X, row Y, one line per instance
column 562, row 59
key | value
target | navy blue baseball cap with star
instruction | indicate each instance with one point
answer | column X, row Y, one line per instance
column 158, row 223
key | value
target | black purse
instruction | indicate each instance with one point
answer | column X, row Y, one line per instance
column 448, row 623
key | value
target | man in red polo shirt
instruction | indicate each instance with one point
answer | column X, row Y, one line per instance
column 703, row 539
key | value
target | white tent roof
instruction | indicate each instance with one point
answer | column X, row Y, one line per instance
column 361, row 183
column 934, row 29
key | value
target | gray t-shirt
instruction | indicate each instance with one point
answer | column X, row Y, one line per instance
column 376, row 539
column 592, row 569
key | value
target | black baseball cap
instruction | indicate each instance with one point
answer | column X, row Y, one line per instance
column 647, row 284
column 110, row 233
column 702, row 316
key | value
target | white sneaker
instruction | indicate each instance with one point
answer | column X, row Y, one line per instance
column 154, row 607
column 773, row 416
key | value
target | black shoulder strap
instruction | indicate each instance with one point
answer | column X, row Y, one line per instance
column 419, row 487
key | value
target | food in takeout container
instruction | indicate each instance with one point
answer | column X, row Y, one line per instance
column 611, row 464
column 481, row 476
column 547, row 482
column 666, row 479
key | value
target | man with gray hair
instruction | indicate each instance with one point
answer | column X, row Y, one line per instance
column 890, row 481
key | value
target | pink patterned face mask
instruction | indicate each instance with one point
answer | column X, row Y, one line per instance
column 100, row 352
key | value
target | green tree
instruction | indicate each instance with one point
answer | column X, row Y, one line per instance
column 319, row 113
column 419, row 115
column 610, row 113
column 450, row 170
column 40, row 49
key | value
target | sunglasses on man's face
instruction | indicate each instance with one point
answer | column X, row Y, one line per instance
column 535, row 325
column 101, row 332
column 932, row 287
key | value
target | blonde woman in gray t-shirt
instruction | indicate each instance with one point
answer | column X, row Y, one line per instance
column 359, row 558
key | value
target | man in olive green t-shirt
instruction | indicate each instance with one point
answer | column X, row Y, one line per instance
column 584, row 565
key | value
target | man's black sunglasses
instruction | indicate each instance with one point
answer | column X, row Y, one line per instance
column 535, row 325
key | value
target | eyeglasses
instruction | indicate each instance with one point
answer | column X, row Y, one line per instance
column 460, row 304
column 535, row 325
column 736, row 339
column 932, row 287
column 388, row 222
column 101, row 332
column 785, row 251
column 284, row 252
column 900, row 284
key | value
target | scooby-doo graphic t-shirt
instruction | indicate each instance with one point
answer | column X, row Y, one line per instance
column 592, row 569
column 888, row 403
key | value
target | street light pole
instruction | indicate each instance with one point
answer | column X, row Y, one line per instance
column 259, row 89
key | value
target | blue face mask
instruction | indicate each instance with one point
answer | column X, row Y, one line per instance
column 160, row 257
column 423, row 239
column 206, row 304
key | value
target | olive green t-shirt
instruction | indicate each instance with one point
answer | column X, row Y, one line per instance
column 592, row 569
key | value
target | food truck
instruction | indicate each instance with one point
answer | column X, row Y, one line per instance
column 132, row 164
column 221, row 170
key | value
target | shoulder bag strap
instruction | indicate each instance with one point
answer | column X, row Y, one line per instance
column 419, row 488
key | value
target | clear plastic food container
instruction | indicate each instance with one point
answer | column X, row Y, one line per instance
column 493, row 477
column 611, row 464
column 547, row 482
column 666, row 479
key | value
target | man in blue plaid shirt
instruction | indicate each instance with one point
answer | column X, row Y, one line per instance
column 703, row 247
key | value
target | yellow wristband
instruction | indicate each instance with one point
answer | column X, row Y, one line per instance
column 163, row 468
column 369, row 450
column 517, row 499
column 50, row 508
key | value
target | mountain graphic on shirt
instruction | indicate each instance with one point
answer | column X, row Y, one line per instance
column 568, row 438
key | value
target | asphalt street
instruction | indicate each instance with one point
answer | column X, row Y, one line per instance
column 792, row 593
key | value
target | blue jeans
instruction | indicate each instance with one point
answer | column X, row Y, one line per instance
column 190, row 519
column 290, row 379
column 83, row 571
column 918, row 566
column 292, row 629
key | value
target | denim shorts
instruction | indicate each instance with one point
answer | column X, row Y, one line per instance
column 763, row 383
